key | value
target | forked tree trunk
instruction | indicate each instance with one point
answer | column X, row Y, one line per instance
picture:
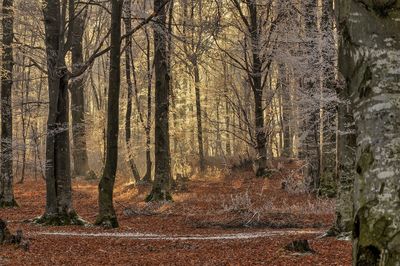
column 369, row 60
column 162, row 176
column 77, row 88
column 107, row 216
column 6, row 174
column 59, row 210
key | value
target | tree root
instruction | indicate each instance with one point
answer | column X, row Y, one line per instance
column 8, row 204
column 107, row 221
column 59, row 219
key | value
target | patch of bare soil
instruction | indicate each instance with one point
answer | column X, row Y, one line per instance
column 192, row 230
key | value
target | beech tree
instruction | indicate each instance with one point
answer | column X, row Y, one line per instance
column 107, row 216
column 162, row 173
column 369, row 61
column 6, row 170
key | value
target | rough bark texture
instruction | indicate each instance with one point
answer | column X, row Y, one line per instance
column 286, row 109
column 107, row 216
column 162, row 172
column 77, row 87
column 59, row 210
column 6, row 173
column 369, row 60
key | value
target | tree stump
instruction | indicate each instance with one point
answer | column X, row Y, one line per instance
column 7, row 238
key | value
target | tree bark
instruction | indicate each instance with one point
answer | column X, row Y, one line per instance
column 311, row 149
column 77, row 89
column 162, row 176
column 107, row 216
column 196, row 71
column 128, row 71
column 6, row 175
column 59, row 210
column 369, row 60
column 260, row 164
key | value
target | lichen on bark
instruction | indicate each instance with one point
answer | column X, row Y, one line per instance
column 369, row 61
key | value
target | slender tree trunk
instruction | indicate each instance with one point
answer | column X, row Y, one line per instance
column 311, row 151
column 149, row 164
column 128, row 116
column 6, row 153
column 260, row 164
column 287, row 142
column 107, row 216
column 77, row 88
column 329, row 109
column 196, row 71
column 369, row 59
column 162, row 176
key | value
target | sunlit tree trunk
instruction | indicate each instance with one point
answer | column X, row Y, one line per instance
column 6, row 175
column 369, row 60
column 162, row 175
column 107, row 216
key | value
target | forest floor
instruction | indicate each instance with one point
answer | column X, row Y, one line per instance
column 219, row 219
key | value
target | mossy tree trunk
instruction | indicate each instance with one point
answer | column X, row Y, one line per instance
column 369, row 60
column 162, row 172
column 6, row 175
column 107, row 216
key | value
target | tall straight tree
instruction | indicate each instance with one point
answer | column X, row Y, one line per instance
column 77, row 85
column 369, row 57
column 129, row 68
column 6, row 175
column 59, row 210
column 311, row 151
column 162, row 172
column 107, row 216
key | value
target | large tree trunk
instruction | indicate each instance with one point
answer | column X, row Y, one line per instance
column 369, row 60
column 196, row 71
column 59, row 210
column 128, row 71
column 162, row 176
column 6, row 175
column 107, row 216
column 77, row 87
